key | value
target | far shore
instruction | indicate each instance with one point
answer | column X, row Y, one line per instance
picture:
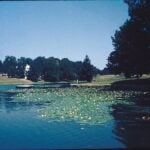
column 6, row 80
column 104, row 81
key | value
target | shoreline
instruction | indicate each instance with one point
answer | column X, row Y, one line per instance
column 130, row 84
column 5, row 80
column 116, row 87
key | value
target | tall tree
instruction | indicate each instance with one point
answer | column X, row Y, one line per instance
column 132, row 41
column 86, row 71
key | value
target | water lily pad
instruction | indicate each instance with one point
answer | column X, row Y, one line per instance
column 83, row 105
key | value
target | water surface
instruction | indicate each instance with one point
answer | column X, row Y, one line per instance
column 72, row 118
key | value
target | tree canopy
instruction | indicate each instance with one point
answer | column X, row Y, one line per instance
column 86, row 70
column 49, row 69
column 132, row 41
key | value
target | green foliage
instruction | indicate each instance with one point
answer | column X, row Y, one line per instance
column 10, row 66
column 1, row 67
column 67, row 70
column 86, row 71
column 48, row 69
column 51, row 69
column 132, row 42
column 21, row 63
column 37, row 67
column 32, row 75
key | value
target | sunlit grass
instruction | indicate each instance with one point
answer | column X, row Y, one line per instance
column 6, row 80
column 109, row 79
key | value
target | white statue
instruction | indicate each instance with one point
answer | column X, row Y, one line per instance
column 27, row 69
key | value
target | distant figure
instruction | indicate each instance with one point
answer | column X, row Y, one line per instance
column 27, row 69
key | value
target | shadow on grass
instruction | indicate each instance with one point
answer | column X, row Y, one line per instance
column 133, row 84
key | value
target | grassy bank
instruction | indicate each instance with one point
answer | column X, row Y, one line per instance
column 6, row 80
column 110, row 79
column 118, row 82
column 100, row 80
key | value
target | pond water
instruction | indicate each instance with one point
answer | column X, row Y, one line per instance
column 73, row 118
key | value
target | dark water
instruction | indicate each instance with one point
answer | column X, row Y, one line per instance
column 21, row 127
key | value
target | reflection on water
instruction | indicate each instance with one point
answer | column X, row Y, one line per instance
column 7, row 104
column 73, row 118
column 132, row 122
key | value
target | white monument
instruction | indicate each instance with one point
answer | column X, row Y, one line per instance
column 27, row 69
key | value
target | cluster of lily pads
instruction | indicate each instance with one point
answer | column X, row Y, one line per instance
column 83, row 105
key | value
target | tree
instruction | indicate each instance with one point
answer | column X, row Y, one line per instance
column 139, row 11
column 10, row 66
column 77, row 69
column 105, row 71
column 51, row 69
column 67, row 70
column 132, row 42
column 1, row 67
column 123, row 59
column 21, row 63
column 37, row 68
column 86, row 71
column 95, row 71
column 32, row 74
column 48, row 69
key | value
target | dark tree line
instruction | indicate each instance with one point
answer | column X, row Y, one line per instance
column 131, row 42
column 49, row 69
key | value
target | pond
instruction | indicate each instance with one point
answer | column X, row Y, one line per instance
column 57, row 118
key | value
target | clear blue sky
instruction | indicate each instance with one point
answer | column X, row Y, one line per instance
column 61, row 29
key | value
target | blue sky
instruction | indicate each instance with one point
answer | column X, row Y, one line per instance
column 61, row 29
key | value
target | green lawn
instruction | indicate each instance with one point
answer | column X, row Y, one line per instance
column 109, row 79
column 6, row 80
column 98, row 80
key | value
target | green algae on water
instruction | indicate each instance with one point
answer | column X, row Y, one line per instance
column 82, row 105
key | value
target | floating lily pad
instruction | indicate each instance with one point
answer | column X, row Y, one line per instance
column 83, row 105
